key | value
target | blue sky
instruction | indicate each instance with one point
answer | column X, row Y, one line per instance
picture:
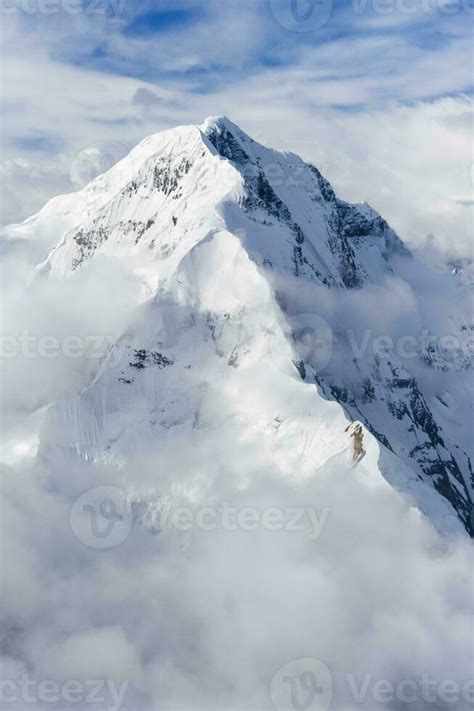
column 320, row 77
column 204, row 44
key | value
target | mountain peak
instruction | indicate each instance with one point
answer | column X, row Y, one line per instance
column 227, row 236
column 293, row 210
column 219, row 123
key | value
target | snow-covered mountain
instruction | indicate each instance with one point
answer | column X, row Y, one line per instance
column 254, row 325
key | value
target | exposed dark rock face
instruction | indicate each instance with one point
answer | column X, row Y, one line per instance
column 88, row 241
column 227, row 146
column 166, row 178
column 386, row 398
column 144, row 359
column 406, row 426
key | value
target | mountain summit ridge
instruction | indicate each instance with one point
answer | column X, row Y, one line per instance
column 162, row 160
column 228, row 237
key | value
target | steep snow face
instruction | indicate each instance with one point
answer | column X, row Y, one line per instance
column 191, row 365
column 227, row 235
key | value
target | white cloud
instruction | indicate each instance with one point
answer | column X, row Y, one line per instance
column 205, row 620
